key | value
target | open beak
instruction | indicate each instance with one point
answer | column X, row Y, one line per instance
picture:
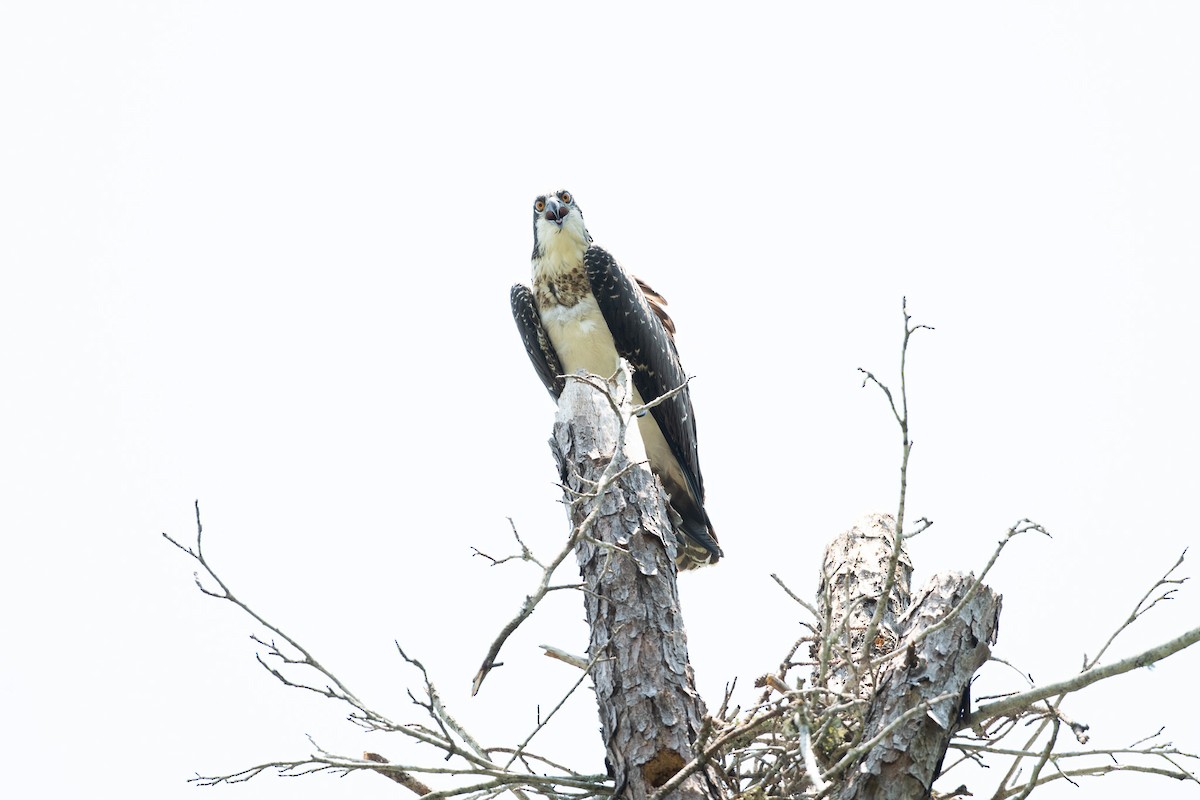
column 556, row 212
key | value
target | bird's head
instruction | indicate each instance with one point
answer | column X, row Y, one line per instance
column 558, row 224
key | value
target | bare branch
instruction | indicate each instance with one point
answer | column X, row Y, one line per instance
column 1098, row 770
column 1021, row 526
column 615, row 470
column 400, row 776
column 527, row 607
column 1148, row 601
column 1037, row 768
column 342, row 693
column 810, row 761
column 807, row 606
column 1020, row 702
column 1053, row 708
column 587, row 668
column 902, row 419
column 857, row 752
column 565, row 657
column 698, row 763
column 449, row 736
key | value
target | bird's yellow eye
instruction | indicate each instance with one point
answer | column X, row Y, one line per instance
column 539, row 205
column 565, row 197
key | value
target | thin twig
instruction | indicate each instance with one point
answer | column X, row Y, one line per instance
column 542, row 723
column 613, row 472
column 898, row 543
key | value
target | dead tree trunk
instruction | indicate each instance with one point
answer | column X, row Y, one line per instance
column 913, row 674
column 853, row 576
column 650, row 713
column 938, row 641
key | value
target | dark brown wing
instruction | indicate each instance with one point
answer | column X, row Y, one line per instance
column 642, row 333
column 537, row 342
column 657, row 305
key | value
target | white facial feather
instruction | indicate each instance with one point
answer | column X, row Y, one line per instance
column 562, row 246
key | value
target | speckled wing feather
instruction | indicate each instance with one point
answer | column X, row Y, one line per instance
column 642, row 333
column 537, row 342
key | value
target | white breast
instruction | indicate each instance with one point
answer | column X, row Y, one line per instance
column 581, row 338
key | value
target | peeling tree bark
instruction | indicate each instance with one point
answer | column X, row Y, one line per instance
column 906, row 762
column 852, row 579
column 928, row 665
column 650, row 712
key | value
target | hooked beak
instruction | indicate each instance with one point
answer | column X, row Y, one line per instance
column 556, row 212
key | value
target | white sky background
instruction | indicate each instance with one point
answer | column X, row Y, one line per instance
column 259, row 255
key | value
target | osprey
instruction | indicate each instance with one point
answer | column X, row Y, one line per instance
column 584, row 312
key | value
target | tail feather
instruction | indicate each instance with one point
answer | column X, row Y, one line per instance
column 697, row 539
